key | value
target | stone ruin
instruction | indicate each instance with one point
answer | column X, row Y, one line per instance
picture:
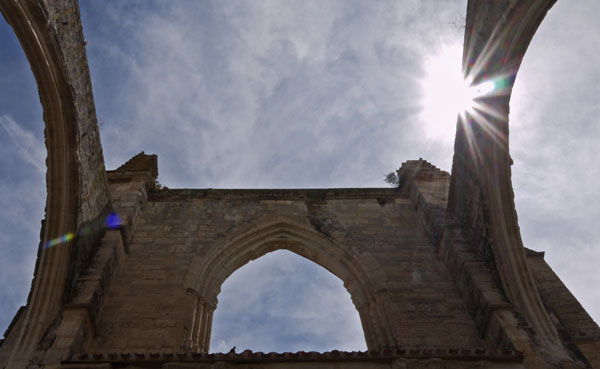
column 436, row 267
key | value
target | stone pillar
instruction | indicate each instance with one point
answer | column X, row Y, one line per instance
column 204, row 339
column 198, row 333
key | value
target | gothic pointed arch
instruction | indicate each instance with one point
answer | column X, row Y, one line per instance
column 359, row 271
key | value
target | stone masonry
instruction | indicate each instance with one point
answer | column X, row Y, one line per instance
column 405, row 295
column 177, row 246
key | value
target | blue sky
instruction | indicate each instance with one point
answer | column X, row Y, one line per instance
column 248, row 94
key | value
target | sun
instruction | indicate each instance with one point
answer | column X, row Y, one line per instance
column 447, row 93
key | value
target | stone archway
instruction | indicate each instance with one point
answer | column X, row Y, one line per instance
column 358, row 272
column 481, row 196
column 50, row 34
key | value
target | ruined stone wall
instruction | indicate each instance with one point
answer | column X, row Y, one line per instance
column 411, row 296
column 93, row 197
column 65, row 22
column 425, row 295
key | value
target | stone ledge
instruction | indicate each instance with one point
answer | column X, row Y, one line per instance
column 316, row 194
column 247, row 356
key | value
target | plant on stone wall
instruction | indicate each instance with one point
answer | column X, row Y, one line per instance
column 392, row 179
column 158, row 186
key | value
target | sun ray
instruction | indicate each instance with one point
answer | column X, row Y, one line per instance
column 473, row 149
column 448, row 94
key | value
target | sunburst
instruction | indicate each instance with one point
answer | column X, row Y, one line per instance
column 447, row 93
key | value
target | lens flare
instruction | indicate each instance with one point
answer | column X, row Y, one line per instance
column 112, row 221
column 447, row 93
column 62, row 239
column 484, row 88
column 470, row 93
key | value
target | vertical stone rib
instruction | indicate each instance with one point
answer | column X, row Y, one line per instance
column 206, row 344
column 199, row 327
column 189, row 339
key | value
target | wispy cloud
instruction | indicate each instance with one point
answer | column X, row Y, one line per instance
column 22, row 197
column 30, row 149
column 555, row 130
column 22, row 175
column 253, row 95
column 18, row 242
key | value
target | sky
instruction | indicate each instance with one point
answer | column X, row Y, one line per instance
column 307, row 94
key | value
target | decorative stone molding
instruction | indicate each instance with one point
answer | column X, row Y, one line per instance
column 398, row 358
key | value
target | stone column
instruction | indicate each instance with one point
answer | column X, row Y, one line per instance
column 204, row 339
column 198, row 335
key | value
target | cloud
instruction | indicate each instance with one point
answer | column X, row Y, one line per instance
column 27, row 145
column 18, row 243
column 22, row 170
column 555, row 130
column 22, row 198
column 301, row 94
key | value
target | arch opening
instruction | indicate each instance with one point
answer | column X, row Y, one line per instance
column 283, row 302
